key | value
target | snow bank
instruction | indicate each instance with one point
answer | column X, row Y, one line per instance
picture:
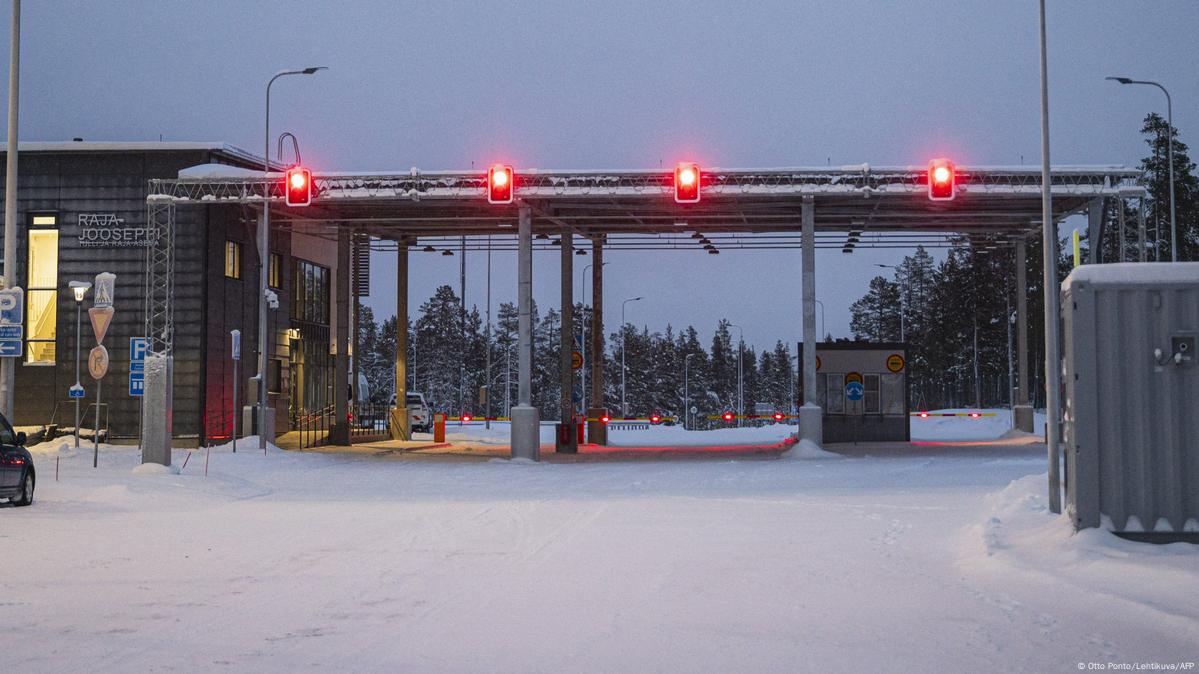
column 806, row 449
column 1019, row 535
column 155, row 469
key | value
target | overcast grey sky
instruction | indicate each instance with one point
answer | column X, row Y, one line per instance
column 440, row 85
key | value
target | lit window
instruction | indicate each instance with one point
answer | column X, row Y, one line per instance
column 272, row 273
column 41, row 294
column 232, row 259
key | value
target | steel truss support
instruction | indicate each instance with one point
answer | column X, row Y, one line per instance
column 157, row 398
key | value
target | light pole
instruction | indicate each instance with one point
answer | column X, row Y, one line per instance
column 1169, row 155
column 1053, row 361
column 902, row 305
column 624, row 407
column 687, row 391
column 740, row 393
column 583, row 333
column 80, row 289
column 822, row 324
column 264, row 253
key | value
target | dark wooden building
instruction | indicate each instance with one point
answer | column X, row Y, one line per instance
column 82, row 211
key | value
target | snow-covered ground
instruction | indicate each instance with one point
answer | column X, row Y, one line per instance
column 306, row 561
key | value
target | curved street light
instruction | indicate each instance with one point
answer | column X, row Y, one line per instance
column 1169, row 155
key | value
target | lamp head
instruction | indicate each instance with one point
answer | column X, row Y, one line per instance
column 309, row 71
column 80, row 289
column 1121, row 80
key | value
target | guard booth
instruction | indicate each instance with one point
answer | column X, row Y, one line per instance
column 863, row 389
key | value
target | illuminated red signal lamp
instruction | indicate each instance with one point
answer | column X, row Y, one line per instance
column 727, row 416
column 466, row 418
column 605, row 419
column 687, row 178
column 299, row 186
column 778, row 416
column 942, row 180
column 975, row 415
column 655, row 419
column 924, row 415
column 500, row 180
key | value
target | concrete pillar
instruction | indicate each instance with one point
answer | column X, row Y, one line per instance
column 811, row 422
column 568, row 440
column 526, row 423
column 597, row 432
column 398, row 425
column 1022, row 414
column 339, row 430
column 1095, row 213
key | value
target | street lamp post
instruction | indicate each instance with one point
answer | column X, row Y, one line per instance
column 80, row 289
column 740, row 392
column 264, row 252
column 624, row 407
column 902, row 306
column 1169, row 156
column 820, row 337
column 583, row 333
column 687, row 391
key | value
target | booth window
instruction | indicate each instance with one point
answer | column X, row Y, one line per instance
column 273, row 272
column 232, row 259
column 872, row 401
column 836, row 393
column 41, row 298
column 310, row 294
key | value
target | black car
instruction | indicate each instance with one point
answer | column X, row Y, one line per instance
column 17, row 476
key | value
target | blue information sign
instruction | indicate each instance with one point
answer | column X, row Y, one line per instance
column 137, row 365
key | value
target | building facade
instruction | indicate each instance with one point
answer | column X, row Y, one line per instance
column 82, row 211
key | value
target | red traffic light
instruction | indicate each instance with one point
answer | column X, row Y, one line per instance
column 655, row 419
column 942, row 180
column 605, row 419
column 727, row 416
column 500, row 179
column 778, row 416
column 686, row 183
column 299, row 186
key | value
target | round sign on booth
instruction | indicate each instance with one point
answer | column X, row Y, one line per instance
column 855, row 389
column 895, row 363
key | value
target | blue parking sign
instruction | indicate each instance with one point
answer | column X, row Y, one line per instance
column 137, row 365
column 137, row 383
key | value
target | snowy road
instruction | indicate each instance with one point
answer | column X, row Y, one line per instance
column 295, row 562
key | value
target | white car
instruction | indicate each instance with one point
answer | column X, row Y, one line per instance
column 419, row 416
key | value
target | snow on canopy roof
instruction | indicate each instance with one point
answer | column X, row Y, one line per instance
column 218, row 171
column 137, row 146
column 1135, row 273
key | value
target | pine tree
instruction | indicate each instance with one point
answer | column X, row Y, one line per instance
column 1186, row 190
column 876, row 316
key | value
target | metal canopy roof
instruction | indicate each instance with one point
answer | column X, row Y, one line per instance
column 748, row 208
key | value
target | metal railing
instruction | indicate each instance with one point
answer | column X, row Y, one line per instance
column 368, row 421
column 313, row 427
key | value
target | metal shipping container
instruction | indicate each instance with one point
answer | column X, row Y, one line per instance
column 1132, row 398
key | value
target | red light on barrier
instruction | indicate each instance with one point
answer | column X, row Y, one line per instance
column 655, row 419
column 499, row 184
column 466, row 418
column 686, row 183
column 975, row 415
column 605, row 419
column 942, row 180
column 778, row 416
column 924, row 415
column 299, row 186
column 727, row 416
